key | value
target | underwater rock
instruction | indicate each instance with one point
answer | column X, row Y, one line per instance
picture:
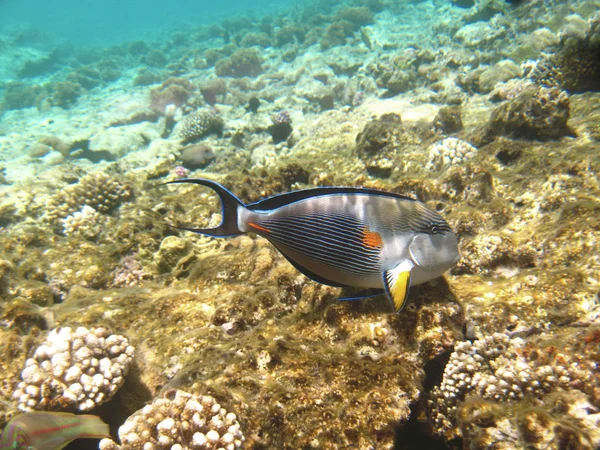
column 324, row 96
column 510, row 89
column 19, row 95
column 35, row 292
column 260, row 39
column 500, row 72
column 378, row 134
column 358, row 15
column 536, row 113
column 56, row 143
column 379, row 141
column 486, row 252
column 199, row 124
column 23, row 316
column 43, row 65
column 253, row 104
column 290, row 34
column 88, row 77
column 463, row 3
column 172, row 250
column 39, row 150
column 212, row 90
column 448, row 120
column 293, row 173
column 182, row 421
column 155, row 58
column 96, row 190
column 74, row 370
column 244, row 62
column 568, row 420
column 197, row 156
column 62, row 93
column 174, row 91
column 6, row 268
column 117, row 142
column 281, row 127
column 336, row 34
column 145, row 77
column 479, row 34
column 575, row 67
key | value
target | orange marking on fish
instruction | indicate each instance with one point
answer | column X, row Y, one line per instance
column 258, row 227
column 371, row 239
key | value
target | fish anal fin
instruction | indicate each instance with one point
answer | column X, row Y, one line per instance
column 397, row 284
column 361, row 295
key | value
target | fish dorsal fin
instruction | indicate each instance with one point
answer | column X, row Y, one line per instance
column 277, row 201
column 397, row 283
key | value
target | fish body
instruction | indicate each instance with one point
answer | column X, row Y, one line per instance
column 347, row 237
column 45, row 430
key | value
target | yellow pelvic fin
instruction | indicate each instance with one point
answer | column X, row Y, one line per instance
column 397, row 284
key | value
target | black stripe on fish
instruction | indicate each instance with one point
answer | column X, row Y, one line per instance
column 288, row 198
column 334, row 241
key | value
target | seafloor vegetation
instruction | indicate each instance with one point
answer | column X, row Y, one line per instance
column 487, row 110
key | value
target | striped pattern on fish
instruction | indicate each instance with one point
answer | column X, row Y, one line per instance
column 346, row 236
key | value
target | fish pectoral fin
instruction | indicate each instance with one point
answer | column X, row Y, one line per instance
column 397, row 284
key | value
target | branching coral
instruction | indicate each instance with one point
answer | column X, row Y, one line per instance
column 96, row 190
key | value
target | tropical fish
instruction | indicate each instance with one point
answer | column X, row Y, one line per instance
column 344, row 236
column 45, row 430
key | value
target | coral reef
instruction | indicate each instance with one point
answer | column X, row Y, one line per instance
column 450, row 151
column 199, row 124
column 244, row 62
column 74, row 370
column 174, row 91
column 212, row 90
column 182, row 421
column 86, row 223
column 521, row 374
column 448, row 120
column 575, row 67
column 96, row 190
column 486, row 110
column 378, row 134
column 536, row 113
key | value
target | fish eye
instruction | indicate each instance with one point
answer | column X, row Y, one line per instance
column 434, row 229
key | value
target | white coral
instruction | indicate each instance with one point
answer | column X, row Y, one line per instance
column 186, row 422
column 74, row 369
column 86, row 223
column 451, row 151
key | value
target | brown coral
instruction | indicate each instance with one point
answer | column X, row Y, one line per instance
column 96, row 190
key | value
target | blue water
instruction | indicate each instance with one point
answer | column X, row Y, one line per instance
column 106, row 22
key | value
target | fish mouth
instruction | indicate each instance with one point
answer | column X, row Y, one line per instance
column 434, row 252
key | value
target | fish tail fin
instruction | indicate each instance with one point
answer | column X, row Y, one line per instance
column 92, row 427
column 230, row 205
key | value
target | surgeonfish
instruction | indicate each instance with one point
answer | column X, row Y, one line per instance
column 344, row 236
column 46, row 430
